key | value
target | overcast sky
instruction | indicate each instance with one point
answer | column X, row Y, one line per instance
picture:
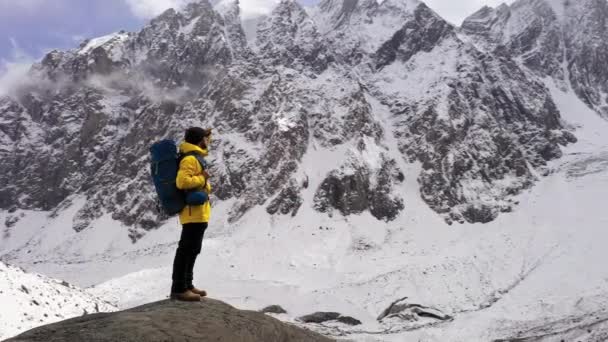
column 30, row 28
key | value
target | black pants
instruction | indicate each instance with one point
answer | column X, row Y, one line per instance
column 187, row 250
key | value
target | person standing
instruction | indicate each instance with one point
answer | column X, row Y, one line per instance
column 192, row 177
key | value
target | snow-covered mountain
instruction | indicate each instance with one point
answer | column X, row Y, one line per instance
column 563, row 39
column 480, row 125
column 29, row 300
column 349, row 137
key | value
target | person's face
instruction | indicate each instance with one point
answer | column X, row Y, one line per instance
column 206, row 143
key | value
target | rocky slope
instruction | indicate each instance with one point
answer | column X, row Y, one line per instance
column 210, row 320
column 314, row 86
column 29, row 300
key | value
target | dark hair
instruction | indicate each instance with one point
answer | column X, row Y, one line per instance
column 194, row 135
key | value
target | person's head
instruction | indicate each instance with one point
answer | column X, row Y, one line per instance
column 198, row 136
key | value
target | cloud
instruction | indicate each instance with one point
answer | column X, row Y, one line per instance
column 11, row 75
column 255, row 8
column 14, row 71
column 146, row 9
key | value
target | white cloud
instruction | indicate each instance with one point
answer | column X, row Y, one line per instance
column 150, row 8
column 12, row 74
column 254, row 8
column 14, row 71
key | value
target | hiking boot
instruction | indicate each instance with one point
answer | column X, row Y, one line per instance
column 201, row 293
column 186, row 296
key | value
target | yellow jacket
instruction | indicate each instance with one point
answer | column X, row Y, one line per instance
column 191, row 176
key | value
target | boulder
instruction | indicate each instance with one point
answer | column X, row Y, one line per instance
column 275, row 309
column 209, row 320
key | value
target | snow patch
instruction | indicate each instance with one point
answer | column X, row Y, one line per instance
column 96, row 42
column 29, row 300
column 187, row 29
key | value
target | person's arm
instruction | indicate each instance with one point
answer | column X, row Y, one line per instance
column 187, row 177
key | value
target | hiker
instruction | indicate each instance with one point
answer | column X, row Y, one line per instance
column 194, row 218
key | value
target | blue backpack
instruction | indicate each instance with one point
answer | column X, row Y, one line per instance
column 163, row 168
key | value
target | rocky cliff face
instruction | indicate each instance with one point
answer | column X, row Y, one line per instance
column 359, row 87
column 563, row 39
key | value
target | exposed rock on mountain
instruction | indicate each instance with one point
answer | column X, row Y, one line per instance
column 404, row 311
column 350, row 191
column 275, row 309
column 562, row 39
column 323, row 317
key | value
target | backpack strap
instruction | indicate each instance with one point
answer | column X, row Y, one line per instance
column 198, row 157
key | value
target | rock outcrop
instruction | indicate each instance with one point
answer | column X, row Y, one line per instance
column 209, row 320
column 323, row 317
column 403, row 311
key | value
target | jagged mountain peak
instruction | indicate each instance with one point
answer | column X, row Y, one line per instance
column 340, row 14
column 288, row 31
column 560, row 10
column 363, row 26
column 228, row 7
column 287, row 15
column 486, row 12
column 288, row 7
column 553, row 38
column 197, row 8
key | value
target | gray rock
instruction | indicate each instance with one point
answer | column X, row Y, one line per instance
column 11, row 220
column 349, row 320
column 276, row 309
column 319, row 317
column 209, row 320
column 356, row 188
column 404, row 311
column 287, row 202
column 344, row 192
column 322, row 317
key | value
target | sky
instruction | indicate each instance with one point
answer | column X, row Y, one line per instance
column 31, row 28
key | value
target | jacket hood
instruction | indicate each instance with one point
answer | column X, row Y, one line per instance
column 186, row 147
